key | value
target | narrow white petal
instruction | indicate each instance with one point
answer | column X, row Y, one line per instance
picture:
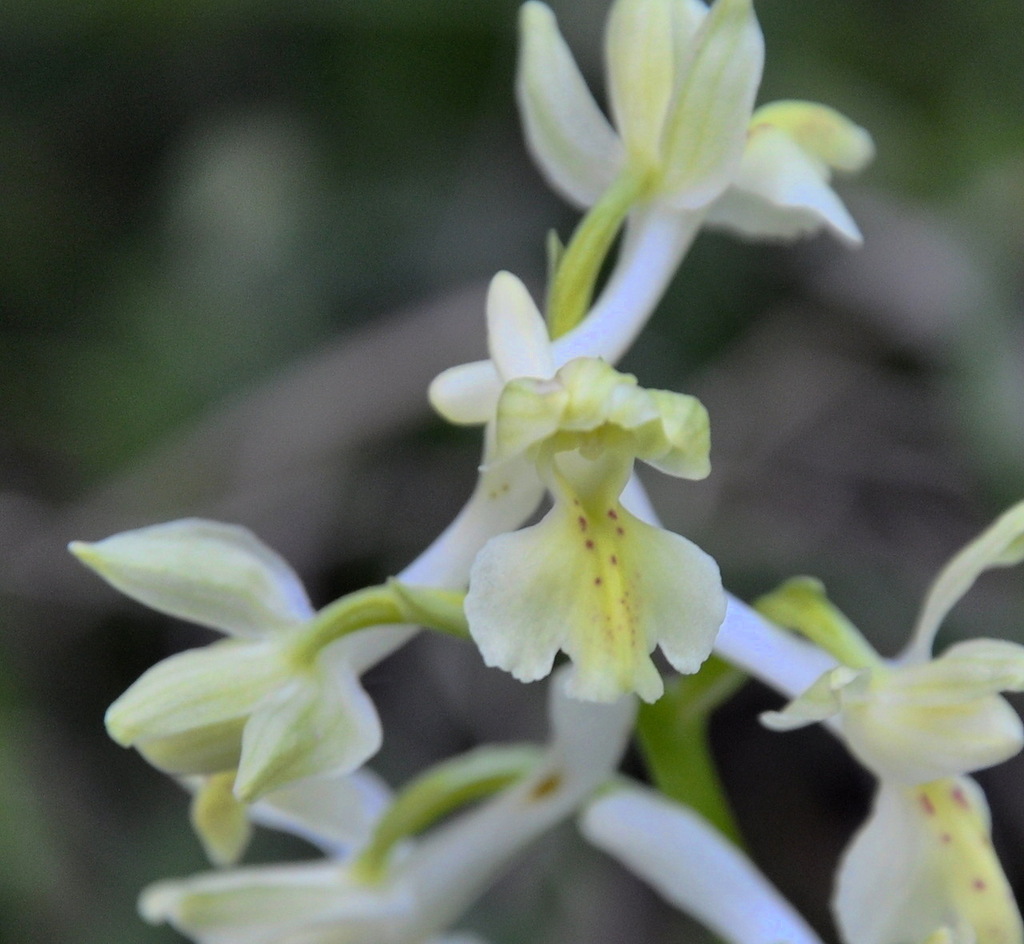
column 587, row 739
column 693, row 867
column 504, row 497
column 571, row 140
column 1000, row 545
column 517, row 336
column 217, row 575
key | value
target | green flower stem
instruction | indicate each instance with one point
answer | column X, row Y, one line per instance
column 441, row 790
column 580, row 262
column 800, row 604
column 673, row 738
column 440, row 610
column 389, row 603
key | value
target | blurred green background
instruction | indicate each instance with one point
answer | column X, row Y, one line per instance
column 238, row 240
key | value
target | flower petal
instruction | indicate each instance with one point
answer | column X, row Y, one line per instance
column 679, row 443
column 466, row 394
column 217, row 575
column 606, row 590
column 639, row 50
column 516, row 334
column 192, row 690
column 781, row 192
column 820, row 702
column 923, row 863
column 320, row 724
column 198, row 752
column 336, row 813
column 888, row 887
column 571, row 141
column 693, row 867
column 916, row 727
column 219, row 819
column 821, row 132
column 315, row 904
column 587, row 739
column 1000, row 545
column 707, row 127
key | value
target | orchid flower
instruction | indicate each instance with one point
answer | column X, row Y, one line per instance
column 920, row 725
column 689, row 149
column 271, row 701
column 425, row 884
column 591, row 578
column 682, row 79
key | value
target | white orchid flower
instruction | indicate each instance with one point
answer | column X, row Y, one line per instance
column 591, row 578
column 258, row 702
column 427, row 883
column 692, row 866
column 690, row 148
column 920, row 725
column 682, row 79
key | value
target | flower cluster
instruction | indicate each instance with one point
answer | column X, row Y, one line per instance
column 271, row 725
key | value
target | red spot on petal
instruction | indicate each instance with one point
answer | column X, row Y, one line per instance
column 619, row 530
column 546, row 787
column 927, row 805
column 946, row 838
column 589, row 544
column 979, row 885
column 613, row 514
column 613, row 560
column 959, row 798
column 598, row 581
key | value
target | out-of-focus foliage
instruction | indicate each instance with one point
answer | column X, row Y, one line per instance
column 213, row 211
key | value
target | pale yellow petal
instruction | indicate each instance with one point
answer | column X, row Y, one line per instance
column 196, row 689
column 822, row 132
column 571, row 140
column 641, row 74
column 707, row 125
column 217, row 575
column 466, row 394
